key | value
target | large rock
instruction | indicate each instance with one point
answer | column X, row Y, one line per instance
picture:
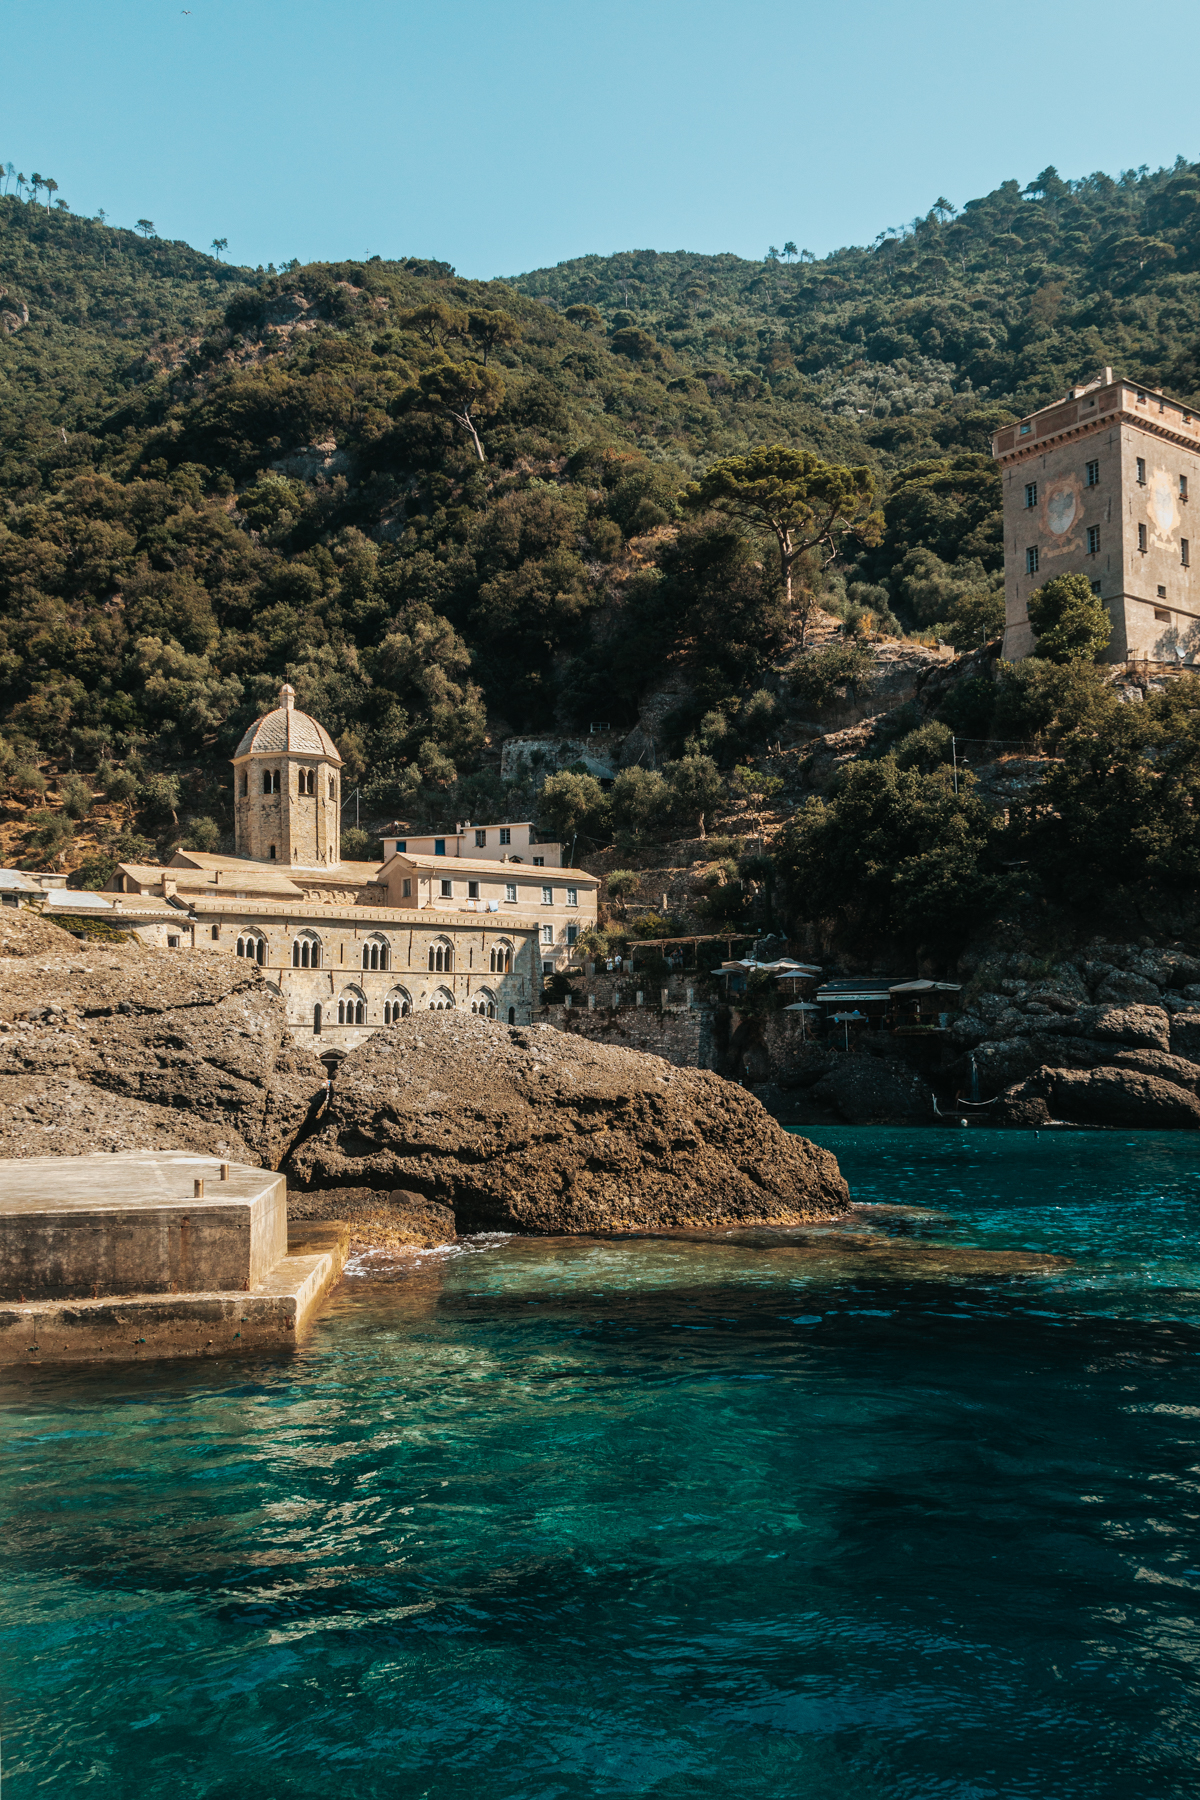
column 1104, row 1096
column 1175, row 1069
column 119, row 1046
column 525, row 1128
column 864, row 1091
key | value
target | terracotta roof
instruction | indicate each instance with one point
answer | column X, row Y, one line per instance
column 287, row 732
column 503, row 871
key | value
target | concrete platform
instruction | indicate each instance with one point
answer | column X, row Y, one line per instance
column 83, row 1227
column 142, row 1327
column 116, row 1256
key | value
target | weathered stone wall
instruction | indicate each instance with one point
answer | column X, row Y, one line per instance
column 682, row 1035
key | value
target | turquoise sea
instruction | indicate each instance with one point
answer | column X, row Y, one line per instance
column 907, row 1508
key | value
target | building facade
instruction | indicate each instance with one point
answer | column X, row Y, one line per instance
column 353, row 946
column 1100, row 484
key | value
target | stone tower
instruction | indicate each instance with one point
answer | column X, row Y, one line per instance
column 1100, row 484
column 287, row 790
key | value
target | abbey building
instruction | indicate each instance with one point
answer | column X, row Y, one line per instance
column 475, row 920
column 1101, row 484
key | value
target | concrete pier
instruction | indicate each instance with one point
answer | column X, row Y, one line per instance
column 153, row 1254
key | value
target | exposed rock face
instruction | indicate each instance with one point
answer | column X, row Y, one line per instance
column 119, row 1047
column 387, row 1221
column 865, row 1091
column 1105, row 1096
column 524, row 1128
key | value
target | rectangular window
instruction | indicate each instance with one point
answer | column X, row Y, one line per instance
column 1093, row 474
column 510, row 890
column 1162, row 592
column 1031, row 493
column 1025, row 430
column 1141, row 397
column 1185, row 553
column 1142, row 539
column 572, row 933
column 547, row 934
column 505, row 835
column 401, row 846
column 1031, row 560
column 1093, row 539
column 1141, row 471
column 408, row 887
column 547, row 896
column 1162, row 614
column 1095, row 587
column 539, row 862
column 472, row 890
column 439, row 846
column 447, row 890
column 1183, row 487
column 480, row 839
column 572, row 896
column 172, row 943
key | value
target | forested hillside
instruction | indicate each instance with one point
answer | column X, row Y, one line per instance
column 448, row 511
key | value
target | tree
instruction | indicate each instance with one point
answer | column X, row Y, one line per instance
column 584, row 316
column 807, row 503
column 463, row 392
column 35, row 186
column 620, row 884
column 51, row 187
column 894, row 852
column 697, row 790
column 219, row 244
column 789, row 250
column 772, row 254
column 491, row 329
column 146, row 227
column 572, row 804
column 757, row 788
column 1069, row 620
column 436, row 323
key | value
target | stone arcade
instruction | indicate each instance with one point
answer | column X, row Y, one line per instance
column 355, row 945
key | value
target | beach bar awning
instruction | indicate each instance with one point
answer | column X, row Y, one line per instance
column 926, row 987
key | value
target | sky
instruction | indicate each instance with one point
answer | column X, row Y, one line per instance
column 505, row 137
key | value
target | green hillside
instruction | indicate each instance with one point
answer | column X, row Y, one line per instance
column 448, row 510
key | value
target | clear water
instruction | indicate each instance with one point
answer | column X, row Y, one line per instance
column 761, row 1517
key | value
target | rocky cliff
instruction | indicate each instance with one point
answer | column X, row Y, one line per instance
column 443, row 1119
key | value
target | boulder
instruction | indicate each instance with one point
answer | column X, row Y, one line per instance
column 1103, row 1096
column 144, row 1049
column 865, row 1091
column 1185, row 1035
column 398, row 1219
column 1147, row 1027
column 1123, row 987
column 529, row 1129
column 1175, row 1069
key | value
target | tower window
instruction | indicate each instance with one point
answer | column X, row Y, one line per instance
column 1183, row 487
column 1031, row 560
column 1093, row 474
column 1162, row 615
column 216, row 931
column 317, row 1019
column 245, row 785
column 1031, row 493
column 271, row 853
column 1141, row 471
column 1142, row 539
column 1185, row 553
column 1096, row 588
column 266, row 781
column 1162, row 592
column 1093, row 540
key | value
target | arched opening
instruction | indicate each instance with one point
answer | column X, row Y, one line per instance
column 245, row 786
column 501, row 959
column 275, row 788
column 512, row 1015
column 310, row 783
column 376, row 954
column 266, row 781
column 398, row 1005
column 306, row 953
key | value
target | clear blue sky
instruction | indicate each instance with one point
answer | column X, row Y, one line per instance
column 505, row 135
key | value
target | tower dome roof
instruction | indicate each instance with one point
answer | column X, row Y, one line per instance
column 285, row 731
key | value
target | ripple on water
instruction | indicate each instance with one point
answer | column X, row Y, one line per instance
column 906, row 1505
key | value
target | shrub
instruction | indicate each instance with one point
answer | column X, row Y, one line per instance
column 76, row 797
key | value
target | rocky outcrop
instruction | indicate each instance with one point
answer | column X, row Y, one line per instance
column 442, row 1122
column 119, row 1047
column 1104, row 1096
column 865, row 1091
column 523, row 1128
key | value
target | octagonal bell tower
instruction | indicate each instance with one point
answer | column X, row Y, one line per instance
column 287, row 790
